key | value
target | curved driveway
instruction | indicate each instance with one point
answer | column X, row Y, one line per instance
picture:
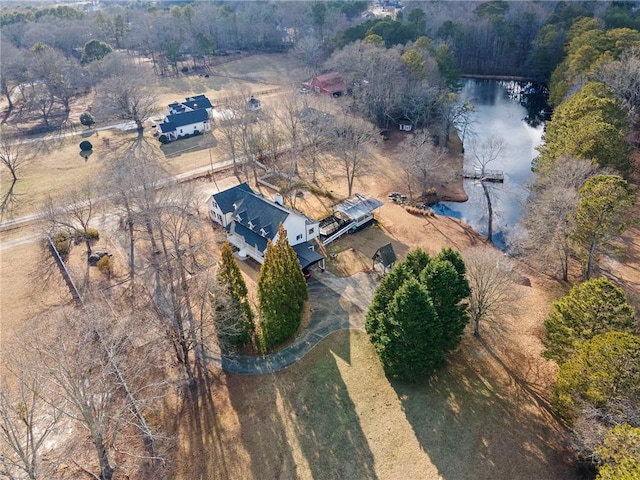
column 336, row 304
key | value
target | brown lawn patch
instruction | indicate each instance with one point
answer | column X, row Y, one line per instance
column 335, row 415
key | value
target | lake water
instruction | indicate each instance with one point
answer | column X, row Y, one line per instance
column 499, row 112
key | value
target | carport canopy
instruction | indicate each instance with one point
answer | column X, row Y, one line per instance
column 306, row 255
column 358, row 206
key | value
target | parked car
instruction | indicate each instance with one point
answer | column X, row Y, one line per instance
column 95, row 257
column 304, row 90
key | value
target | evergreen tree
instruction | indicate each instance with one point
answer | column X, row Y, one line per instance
column 235, row 319
column 620, row 454
column 282, row 291
column 448, row 288
column 406, row 334
column 590, row 308
column 601, row 217
column 410, row 339
column 603, row 374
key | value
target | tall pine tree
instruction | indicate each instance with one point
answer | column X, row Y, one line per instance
column 234, row 319
column 411, row 339
column 282, row 291
column 408, row 346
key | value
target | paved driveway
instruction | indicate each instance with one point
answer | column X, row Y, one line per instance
column 336, row 304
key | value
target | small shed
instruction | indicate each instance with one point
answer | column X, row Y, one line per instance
column 253, row 104
column 405, row 125
column 385, row 256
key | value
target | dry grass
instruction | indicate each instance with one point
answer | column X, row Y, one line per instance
column 335, row 415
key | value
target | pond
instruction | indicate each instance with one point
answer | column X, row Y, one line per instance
column 514, row 112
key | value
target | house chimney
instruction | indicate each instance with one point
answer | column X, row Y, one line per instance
column 195, row 106
column 277, row 198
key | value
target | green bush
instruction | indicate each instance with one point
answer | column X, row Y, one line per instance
column 86, row 145
column 164, row 139
column 105, row 265
column 87, row 119
column 92, row 234
column 62, row 247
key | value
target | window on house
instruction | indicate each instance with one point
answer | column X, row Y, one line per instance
column 311, row 230
column 299, row 237
column 250, row 225
column 180, row 130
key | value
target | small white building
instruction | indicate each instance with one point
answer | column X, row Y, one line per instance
column 251, row 220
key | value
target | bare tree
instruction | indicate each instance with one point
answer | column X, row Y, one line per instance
column 623, row 76
column 352, row 138
column 181, row 248
column 483, row 154
column 26, row 423
column 309, row 52
column 99, row 368
column 492, row 280
column 547, row 220
column 289, row 115
column 128, row 95
column 456, row 115
column 423, row 161
column 13, row 155
column 74, row 215
column 230, row 131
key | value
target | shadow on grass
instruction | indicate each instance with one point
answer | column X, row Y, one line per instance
column 309, row 428
column 200, row 450
column 188, row 145
column 473, row 425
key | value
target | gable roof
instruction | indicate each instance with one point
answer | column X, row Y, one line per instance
column 197, row 101
column 385, row 255
column 262, row 214
column 331, row 82
column 167, row 127
column 250, row 237
column 187, row 118
column 227, row 198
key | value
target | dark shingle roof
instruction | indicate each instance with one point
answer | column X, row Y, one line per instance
column 167, row 127
column 188, row 118
column 262, row 214
column 385, row 255
column 306, row 256
column 227, row 198
column 250, row 237
column 197, row 100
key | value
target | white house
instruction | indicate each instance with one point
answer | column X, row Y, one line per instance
column 251, row 220
column 190, row 117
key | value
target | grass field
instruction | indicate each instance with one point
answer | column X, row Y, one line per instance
column 334, row 415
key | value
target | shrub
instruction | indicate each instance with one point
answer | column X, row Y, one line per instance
column 105, row 265
column 196, row 132
column 92, row 234
column 87, row 119
column 86, row 145
column 62, row 247
column 163, row 139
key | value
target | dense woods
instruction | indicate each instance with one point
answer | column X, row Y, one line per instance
column 401, row 68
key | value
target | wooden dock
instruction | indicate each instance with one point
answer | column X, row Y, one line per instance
column 486, row 175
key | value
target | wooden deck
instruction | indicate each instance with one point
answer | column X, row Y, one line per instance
column 487, row 175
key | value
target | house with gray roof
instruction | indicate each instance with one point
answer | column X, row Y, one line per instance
column 251, row 221
column 191, row 117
